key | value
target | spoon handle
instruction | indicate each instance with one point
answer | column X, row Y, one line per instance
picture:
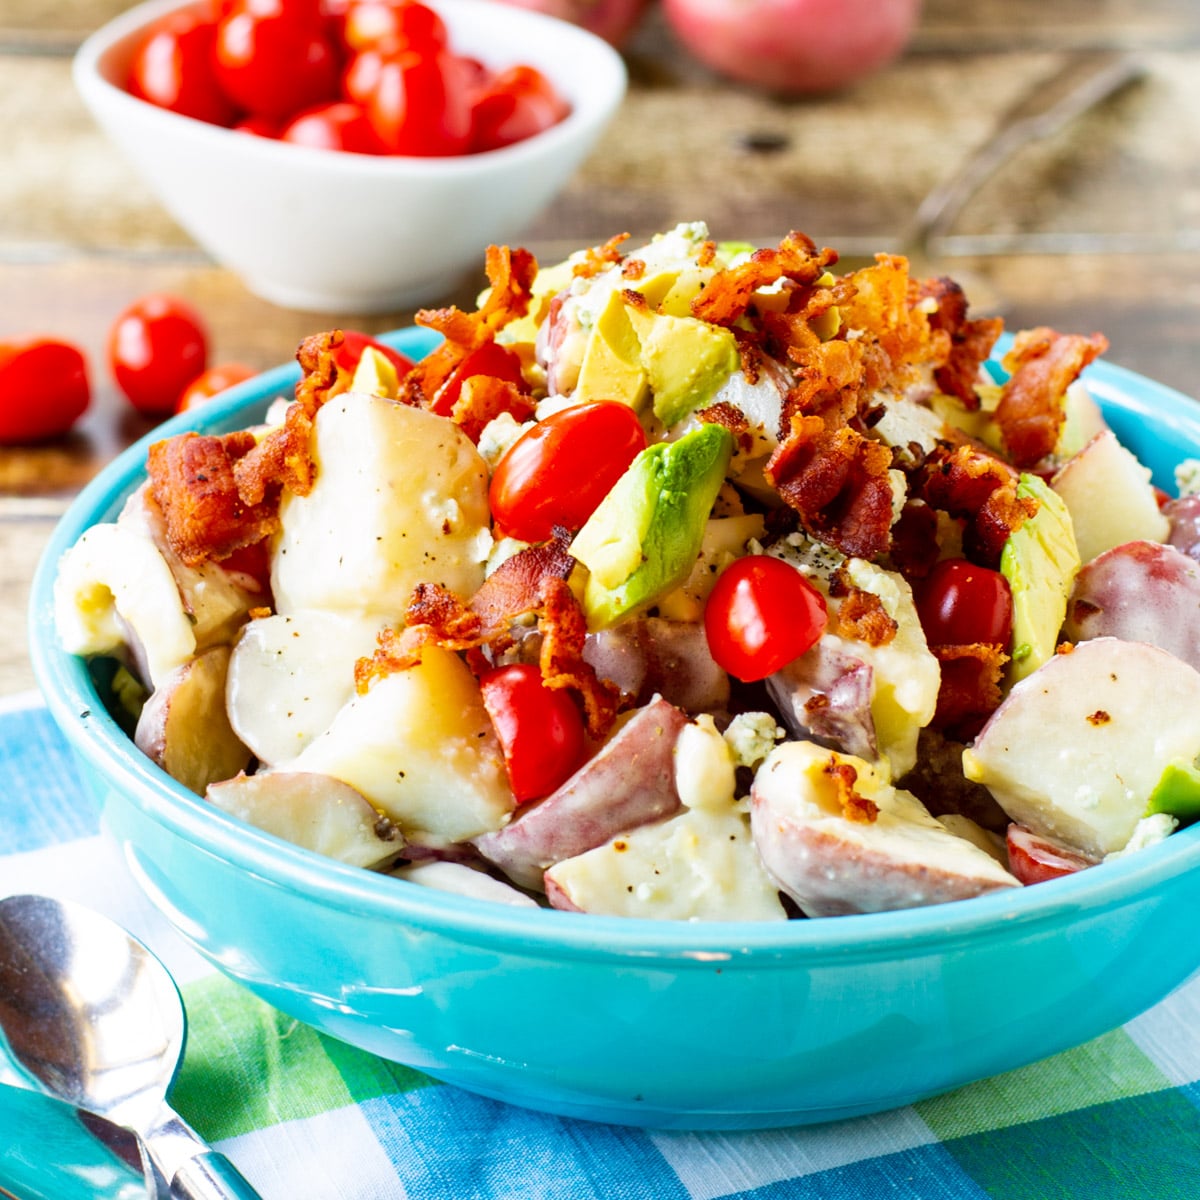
column 210, row 1176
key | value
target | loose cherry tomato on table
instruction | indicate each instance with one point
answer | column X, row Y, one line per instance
column 762, row 613
column 516, row 104
column 173, row 68
column 212, row 383
column 43, row 389
column 557, row 472
column 341, row 125
column 156, row 347
column 419, row 105
column 274, row 58
column 355, row 342
column 540, row 729
column 960, row 604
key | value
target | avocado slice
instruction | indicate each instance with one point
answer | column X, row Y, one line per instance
column 1040, row 561
column 612, row 359
column 644, row 538
column 686, row 361
column 1177, row 791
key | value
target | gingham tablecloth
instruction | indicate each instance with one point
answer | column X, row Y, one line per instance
column 307, row 1118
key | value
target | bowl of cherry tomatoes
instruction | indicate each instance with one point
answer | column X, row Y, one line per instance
column 350, row 155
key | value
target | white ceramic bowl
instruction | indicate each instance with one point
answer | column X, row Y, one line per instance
column 316, row 230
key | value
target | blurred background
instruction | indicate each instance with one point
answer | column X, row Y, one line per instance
column 1093, row 226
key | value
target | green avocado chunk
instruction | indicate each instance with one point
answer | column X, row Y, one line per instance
column 1040, row 562
column 644, row 538
column 1177, row 792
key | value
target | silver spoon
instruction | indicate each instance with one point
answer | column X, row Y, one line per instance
column 96, row 1019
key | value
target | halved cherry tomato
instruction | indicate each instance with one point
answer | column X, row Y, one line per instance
column 960, row 604
column 342, row 125
column 516, row 104
column 354, row 343
column 1035, row 859
column 156, row 347
column 540, row 729
column 488, row 359
column 274, row 59
column 762, row 613
column 419, row 105
column 557, row 472
column 173, row 68
column 43, row 389
column 393, row 25
column 212, row 383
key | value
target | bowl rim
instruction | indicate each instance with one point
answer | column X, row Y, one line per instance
column 603, row 69
column 76, row 707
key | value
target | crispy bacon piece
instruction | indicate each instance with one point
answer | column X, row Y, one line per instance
column 915, row 546
column 861, row 616
column 483, row 398
column 970, row 687
column 322, row 378
column 730, row 417
column 516, row 586
column 282, row 459
column 599, row 258
column 970, row 341
column 726, row 297
column 192, row 481
column 564, row 629
column 435, row 616
column 511, row 274
column 1043, row 364
column 838, row 484
column 855, row 806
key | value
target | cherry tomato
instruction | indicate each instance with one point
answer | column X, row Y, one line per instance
column 393, row 25
column 266, row 127
column 419, row 105
column 558, row 472
column 212, row 383
column 517, row 104
column 43, row 389
column 341, row 125
column 488, row 359
column 761, row 615
column 173, row 68
column 960, row 604
column 1035, row 859
column 156, row 347
column 274, row 59
column 353, row 345
column 540, row 729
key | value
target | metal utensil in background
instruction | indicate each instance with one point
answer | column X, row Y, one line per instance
column 55, row 1151
column 96, row 1019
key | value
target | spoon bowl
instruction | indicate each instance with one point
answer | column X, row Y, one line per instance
column 96, row 1020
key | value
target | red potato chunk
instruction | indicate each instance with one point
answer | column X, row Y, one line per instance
column 630, row 782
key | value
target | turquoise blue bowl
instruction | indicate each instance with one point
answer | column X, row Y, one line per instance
column 674, row 1025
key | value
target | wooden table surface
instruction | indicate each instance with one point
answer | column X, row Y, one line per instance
column 1094, row 227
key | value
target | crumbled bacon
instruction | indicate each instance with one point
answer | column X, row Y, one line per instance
column 1043, row 364
column 322, row 378
column 727, row 295
column 483, row 398
column 515, row 587
column 511, row 274
column 599, row 258
column 855, row 806
column 861, row 616
column 970, row 687
column 192, row 481
column 970, row 341
column 730, row 417
column 282, row 459
column 915, row 546
column 633, row 268
column 564, row 629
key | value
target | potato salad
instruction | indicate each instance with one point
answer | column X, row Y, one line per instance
column 683, row 580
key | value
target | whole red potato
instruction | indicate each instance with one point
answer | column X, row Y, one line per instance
column 794, row 46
